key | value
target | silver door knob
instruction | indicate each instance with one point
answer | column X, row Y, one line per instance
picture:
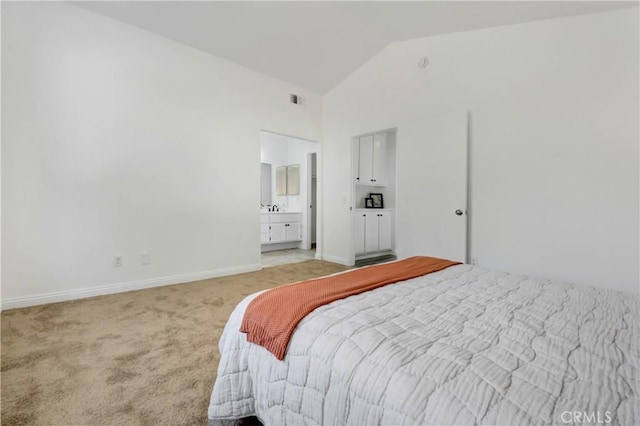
column 459, row 212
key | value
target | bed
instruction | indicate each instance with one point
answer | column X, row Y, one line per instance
column 460, row 346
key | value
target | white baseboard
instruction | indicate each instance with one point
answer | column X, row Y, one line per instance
column 81, row 293
column 336, row 259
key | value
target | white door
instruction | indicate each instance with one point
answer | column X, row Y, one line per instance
column 432, row 186
column 365, row 168
column 358, row 234
column 312, row 197
column 370, row 233
column 313, row 220
column 384, row 231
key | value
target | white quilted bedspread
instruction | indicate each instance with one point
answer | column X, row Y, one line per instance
column 461, row 346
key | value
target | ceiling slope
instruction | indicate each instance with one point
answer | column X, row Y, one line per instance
column 315, row 45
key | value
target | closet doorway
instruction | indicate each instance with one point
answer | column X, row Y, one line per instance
column 312, row 179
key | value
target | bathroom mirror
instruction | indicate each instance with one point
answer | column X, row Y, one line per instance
column 288, row 180
column 293, row 179
column 281, row 180
column 265, row 184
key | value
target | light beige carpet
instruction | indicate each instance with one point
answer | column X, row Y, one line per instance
column 142, row 357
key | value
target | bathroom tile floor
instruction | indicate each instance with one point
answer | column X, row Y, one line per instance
column 282, row 257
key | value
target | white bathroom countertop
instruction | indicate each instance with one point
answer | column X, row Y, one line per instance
column 263, row 212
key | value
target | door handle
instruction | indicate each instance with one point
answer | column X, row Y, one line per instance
column 459, row 212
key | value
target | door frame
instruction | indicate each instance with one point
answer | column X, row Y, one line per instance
column 305, row 212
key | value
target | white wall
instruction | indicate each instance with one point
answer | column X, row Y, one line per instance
column 118, row 141
column 0, row 172
column 554, row 140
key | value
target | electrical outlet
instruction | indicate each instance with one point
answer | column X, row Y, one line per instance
column 145, row 258
column 117, row 261
column 474, row 260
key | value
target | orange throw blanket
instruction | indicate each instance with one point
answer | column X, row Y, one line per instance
column 271, row 317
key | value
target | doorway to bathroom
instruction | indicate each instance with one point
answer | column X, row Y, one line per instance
column 289, row 201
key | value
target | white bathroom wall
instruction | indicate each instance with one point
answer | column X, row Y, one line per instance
column 274, row 150
column 553, row 141
column 116, row 141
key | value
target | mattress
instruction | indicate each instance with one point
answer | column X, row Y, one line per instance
column 465, row 345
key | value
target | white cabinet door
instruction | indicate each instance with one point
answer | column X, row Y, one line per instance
column 294, row 231
column 370, row 233
column 384, row 231
column 371, row 162
column 379, row 159
column 355, row 159
column 264, row 233
column 278, row 232
column 365, row 164
column 358, row 234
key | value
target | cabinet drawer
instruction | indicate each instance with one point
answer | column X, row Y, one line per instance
column 264, row 217
column 286, row 217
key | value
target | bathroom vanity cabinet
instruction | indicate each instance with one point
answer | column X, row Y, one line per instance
column 280, row 227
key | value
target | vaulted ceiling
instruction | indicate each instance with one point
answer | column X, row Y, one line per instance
column 316, row 45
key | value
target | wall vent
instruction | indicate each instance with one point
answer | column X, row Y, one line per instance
column 295, row 99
